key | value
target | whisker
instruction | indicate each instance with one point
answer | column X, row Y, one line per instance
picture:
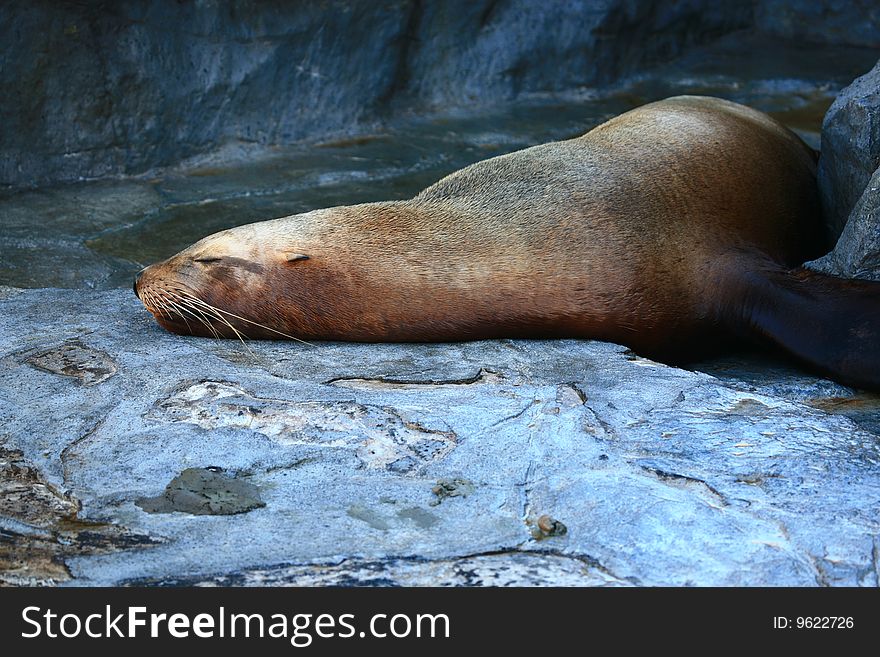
column 155, row 303
column 187, row 301
column 245, row 319
column 198, row 309
column 172, row 309
column 159, row 303
column 201, row 317
column 214, row 316
column 150, row 305
column 181, row 309
column 178, row 312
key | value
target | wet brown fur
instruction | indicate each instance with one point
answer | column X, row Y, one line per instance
column 668, row 229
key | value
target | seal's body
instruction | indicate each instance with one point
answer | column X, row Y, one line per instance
column 667, row 229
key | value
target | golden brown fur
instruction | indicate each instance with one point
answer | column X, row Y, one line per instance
column 660, row 229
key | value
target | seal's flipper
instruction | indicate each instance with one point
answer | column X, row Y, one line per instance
column 829, row 323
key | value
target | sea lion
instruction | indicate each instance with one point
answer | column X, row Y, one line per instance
column 671, row 228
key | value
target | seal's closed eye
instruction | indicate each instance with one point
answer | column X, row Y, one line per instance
column 293, row 257
column 207, row 259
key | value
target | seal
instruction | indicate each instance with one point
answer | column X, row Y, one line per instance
column 673, row 228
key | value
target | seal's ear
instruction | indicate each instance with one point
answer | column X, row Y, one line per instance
column 293, row 257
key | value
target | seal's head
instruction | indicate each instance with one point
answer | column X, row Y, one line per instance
column 354, row 273
column 242, row 282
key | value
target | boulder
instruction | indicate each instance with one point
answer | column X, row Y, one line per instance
column 849, row 179
column 850, row 148
column 857, row 252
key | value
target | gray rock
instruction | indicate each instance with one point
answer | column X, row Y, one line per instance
column 850, row 148
column 40, row 526
column 849, row 180
column 857, row 252
column 90, row 90
column 557, row 462
column 840, row 22
column 506, row 569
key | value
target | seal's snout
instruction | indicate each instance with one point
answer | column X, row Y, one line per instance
column 137, row 278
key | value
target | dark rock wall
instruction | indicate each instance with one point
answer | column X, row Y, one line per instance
column 464, row 53
column 120, row 87
column 833, row 22
column 93, row 89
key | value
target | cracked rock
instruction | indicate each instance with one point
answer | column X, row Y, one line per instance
column 40, row 528
column 745, row 473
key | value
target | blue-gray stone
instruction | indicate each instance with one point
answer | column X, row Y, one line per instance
column 660, row 476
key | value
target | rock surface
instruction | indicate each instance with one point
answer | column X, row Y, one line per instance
column 841, row 22
column 849, row 180
column 857, row 252
column 504, row 462
column 92, row 90
column 850, row 148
